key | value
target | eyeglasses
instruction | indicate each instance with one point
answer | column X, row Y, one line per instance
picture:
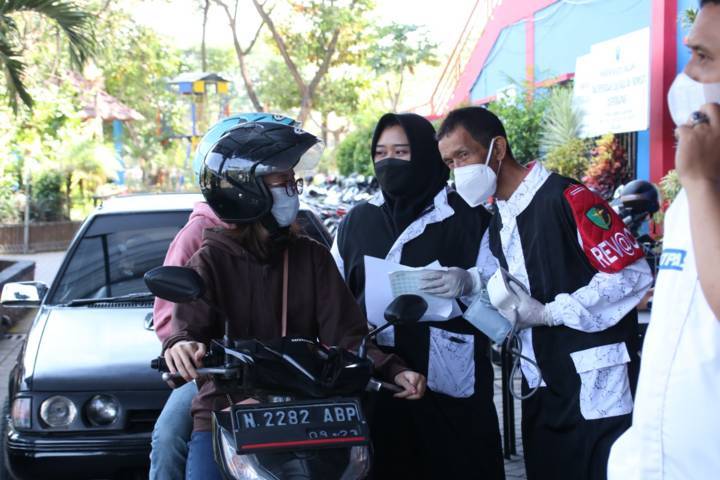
column 292, row 187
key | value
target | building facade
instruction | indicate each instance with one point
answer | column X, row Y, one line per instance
column 538, row 42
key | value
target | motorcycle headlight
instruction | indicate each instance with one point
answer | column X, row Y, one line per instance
column 102, row 410
column 58, row 411
column 359, row 465
column 245, row 467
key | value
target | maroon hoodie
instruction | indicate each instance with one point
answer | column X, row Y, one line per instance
column 184, row 245
column 250, row 293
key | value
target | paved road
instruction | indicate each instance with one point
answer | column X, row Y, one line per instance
column 46, row 264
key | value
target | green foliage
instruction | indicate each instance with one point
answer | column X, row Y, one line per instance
column 564, row 151
column 47, row 203
column 401, row 46
column 74, row 22
column 561, row 123
column 9, row 204
column 133, row 65
column 688, row 16
column 338, row 94
column 395, row 50
column 669, row 188
column 309, row 27
column 353, row 153
column 608, row 166
column 522, row 117
column 136, row 64
column 569, row 159
column 370, row 63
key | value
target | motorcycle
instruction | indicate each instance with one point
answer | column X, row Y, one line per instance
column 635, row 203
column 305, row 420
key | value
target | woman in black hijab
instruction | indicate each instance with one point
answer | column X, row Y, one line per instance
column 453, row 431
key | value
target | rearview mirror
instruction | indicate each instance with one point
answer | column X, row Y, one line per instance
column 23, row 294
column 175, row 284
column 405, row 309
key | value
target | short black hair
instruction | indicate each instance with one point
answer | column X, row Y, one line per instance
column 480, row 123
column 705, row 2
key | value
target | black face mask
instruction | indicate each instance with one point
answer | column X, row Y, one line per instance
column 394, row 176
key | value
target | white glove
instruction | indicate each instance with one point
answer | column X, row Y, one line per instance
column 527, row 312
column 451, row 283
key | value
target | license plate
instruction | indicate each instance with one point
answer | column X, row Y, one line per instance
column 299, row 425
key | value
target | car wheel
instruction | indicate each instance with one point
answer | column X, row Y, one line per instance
column 4, row 473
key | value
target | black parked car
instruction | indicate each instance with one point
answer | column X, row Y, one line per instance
column 82, row 398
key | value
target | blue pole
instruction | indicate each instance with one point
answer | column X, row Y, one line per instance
column 117, row 141
column 193, row 118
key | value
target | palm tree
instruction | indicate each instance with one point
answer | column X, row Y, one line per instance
column 69, row 18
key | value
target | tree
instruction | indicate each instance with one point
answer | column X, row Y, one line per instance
column 562, row 121
column 353, row 153
column 203, row 52
column 570, row 159
column 321, row 34
column 137, row 63
column 338, row 94
column 74, row 22
column 396, row 50
column 242, row 53
column 522, row 116
column 562, row 148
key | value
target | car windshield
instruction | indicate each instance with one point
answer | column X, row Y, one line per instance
column 113, row 254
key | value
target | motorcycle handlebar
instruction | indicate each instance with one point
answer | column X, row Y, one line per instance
column 375, row 385
column 159, row 364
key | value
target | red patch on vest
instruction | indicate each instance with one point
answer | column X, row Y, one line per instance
column 608, row 245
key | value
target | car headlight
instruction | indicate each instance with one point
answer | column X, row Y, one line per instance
column 102, row 410
column 58, row 411
column 244, row 467
column 21, row 413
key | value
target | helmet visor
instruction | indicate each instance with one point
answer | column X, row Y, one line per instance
column 267, row 147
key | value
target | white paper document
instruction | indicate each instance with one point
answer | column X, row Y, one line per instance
column 386, row 280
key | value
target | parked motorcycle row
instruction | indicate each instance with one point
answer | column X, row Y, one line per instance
column 331, row 197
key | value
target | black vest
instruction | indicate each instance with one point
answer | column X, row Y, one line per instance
column 367, row 230
column 556, row 264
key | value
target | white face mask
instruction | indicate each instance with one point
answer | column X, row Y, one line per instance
column 687, row 96
column 285, row 207
column 476, row 182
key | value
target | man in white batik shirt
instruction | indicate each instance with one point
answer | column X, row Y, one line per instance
column 585, row 273
column 675, row 431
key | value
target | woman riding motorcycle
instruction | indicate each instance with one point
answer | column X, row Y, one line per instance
column 261, row 275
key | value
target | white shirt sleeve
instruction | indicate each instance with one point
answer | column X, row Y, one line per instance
column 486, row 263
column 485, row 266
column 335, row 252
column 604, row 301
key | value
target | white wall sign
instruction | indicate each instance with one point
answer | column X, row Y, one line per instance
column 612, row 85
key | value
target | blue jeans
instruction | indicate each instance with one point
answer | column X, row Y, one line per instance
column 201, row 463
column 171, row 435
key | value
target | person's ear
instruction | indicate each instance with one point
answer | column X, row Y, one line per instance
column 500, row 149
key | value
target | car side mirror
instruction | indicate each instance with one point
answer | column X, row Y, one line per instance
column 405, row 309
column 175, row 284
column 23, row 294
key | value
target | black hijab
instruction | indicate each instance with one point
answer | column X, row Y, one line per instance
column 410, row 187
